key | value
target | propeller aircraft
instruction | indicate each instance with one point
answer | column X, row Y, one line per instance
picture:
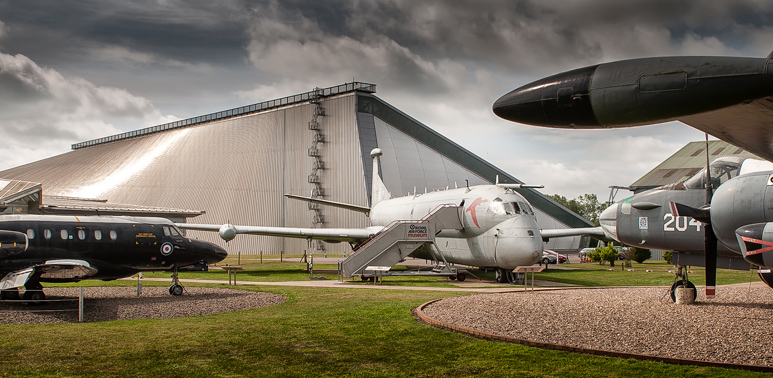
column 727, row 97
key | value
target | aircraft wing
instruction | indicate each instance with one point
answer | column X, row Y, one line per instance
column 563, row 232
column 333, row 235
column 747, row 125
column 51, row 270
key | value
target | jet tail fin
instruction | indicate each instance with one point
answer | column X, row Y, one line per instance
column 379, row 191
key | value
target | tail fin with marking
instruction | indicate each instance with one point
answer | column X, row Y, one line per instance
column 379, row 191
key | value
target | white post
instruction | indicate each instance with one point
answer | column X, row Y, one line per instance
column 80, row 305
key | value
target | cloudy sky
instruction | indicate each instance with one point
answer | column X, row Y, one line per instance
column 78, row 70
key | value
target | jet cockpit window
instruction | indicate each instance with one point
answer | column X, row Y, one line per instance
column 497, row 207
column 526, row 208
column 171, row 231
column 721, row 169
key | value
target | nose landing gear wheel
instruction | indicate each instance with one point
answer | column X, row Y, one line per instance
column 685, row 284
column 176, row 289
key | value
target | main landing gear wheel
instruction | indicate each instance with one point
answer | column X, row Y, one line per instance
column 461, row 277
column 504, row 276
column 10, row 294
column 33, row 291
column 683, row 283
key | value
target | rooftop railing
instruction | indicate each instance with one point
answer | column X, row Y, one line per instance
column 317, row 93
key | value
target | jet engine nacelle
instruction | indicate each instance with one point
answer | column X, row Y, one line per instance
column 227, row 232
column 12, row 243
column 756, row 242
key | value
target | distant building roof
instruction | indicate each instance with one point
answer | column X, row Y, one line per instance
column 27, row 196
column 686, row 162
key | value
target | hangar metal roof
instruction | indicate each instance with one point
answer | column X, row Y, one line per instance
column 686, row 162
column 73, row 205
column 316, row 94
column 16, row 192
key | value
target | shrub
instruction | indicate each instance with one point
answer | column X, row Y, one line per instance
column 641, row 255
column 667, row 256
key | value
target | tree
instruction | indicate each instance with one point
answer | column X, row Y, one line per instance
column 641, row 254
column 608, row 253
column 586, row 205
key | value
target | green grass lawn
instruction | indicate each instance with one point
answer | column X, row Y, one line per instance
column 318, row 333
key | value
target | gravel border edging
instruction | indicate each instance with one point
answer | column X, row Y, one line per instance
column 421, row 317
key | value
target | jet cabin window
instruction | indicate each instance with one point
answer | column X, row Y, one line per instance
column 30, row 233
column 721, row 169
column 97, row 234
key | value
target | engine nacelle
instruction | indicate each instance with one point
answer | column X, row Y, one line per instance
column 756, row 242
column 227, row 232
column 12, row 243
column 766, row 276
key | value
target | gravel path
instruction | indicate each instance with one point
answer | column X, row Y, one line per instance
column 736, row 327
column 120, row 303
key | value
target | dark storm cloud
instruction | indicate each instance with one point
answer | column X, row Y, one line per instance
column 189, row 31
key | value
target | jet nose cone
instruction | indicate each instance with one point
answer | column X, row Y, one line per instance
column 220, row 253
column 561, row 100
column 523, row 105
column 608, row 221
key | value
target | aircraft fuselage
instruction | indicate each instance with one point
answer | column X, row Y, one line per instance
column 500, row 229
column 115, row 246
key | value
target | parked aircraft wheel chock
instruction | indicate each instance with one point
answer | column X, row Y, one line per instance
column 452, row 278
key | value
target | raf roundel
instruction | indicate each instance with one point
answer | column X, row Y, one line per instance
column 167, row 248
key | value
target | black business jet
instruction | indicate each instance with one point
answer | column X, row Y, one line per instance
column 58, row 248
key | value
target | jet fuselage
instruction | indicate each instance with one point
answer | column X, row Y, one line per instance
column 116, row 246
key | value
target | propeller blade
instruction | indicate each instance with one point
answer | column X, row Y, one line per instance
column 710, row 242
column 709, row 239
column 701, row 214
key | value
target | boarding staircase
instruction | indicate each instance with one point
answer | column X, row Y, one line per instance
column 400, row 238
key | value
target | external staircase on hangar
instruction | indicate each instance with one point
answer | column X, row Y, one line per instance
column 401, row 238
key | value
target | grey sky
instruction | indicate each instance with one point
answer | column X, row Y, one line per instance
column 78, row 70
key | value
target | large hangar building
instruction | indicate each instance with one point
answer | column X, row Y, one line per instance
column 237, row 164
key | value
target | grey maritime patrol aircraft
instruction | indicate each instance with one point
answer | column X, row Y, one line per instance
column 498, row 225
column 730, row 98
column 58, row 248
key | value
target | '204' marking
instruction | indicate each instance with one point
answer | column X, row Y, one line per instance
column 681, row 224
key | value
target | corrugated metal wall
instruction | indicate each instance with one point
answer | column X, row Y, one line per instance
column 238, row 169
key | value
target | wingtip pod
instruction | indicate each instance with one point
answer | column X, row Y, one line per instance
column 227, row 232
